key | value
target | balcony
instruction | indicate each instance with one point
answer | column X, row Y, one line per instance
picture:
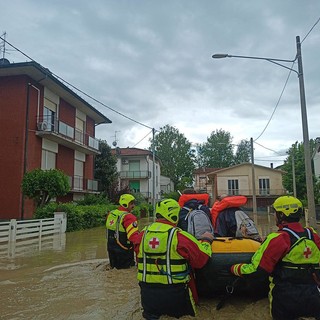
column 79, row 184
column 60, row 132
column 259, row 192
column 135, row 174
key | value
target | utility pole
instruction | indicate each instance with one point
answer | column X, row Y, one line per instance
column 254, row 197
column 306, row 141
column 153, row 175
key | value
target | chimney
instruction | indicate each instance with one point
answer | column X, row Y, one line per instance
column 271, row 165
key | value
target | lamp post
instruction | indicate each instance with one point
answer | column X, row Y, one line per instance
column 306, row 143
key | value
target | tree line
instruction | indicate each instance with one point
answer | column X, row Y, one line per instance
column 179, row 159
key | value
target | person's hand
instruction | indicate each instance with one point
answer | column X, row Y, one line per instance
column 207, row 236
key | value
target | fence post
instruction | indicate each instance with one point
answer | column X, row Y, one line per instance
column 12, row 237
column 61, row 218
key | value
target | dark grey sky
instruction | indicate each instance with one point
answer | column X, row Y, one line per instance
column 151, row 60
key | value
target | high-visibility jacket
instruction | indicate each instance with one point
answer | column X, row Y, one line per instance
column 158, row 259
column 301, row 262
column 117, row 235
column 277, row 247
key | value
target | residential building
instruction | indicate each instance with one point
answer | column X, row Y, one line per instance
column 166, row 185
column 138, row 172
column 238, row 180
column 43, row 124
column 316, row 159
column 201, row 180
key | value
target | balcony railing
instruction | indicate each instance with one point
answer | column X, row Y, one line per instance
column 66, row 134
column 135, row 174
column 259, row 192
column 80, row 184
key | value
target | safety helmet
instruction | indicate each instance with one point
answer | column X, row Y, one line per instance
column 169, row 209
column 125, row 199
column 288, row 205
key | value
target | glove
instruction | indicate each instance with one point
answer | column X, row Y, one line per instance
column 236, row 269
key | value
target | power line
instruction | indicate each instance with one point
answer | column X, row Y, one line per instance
column 74, row 87
column 142, row 138
column 311, row 30
column 267, row 148
column 285, row 85
column 275, row 108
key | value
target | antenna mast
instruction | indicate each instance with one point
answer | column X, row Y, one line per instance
column 114, row 143
column 3, row 45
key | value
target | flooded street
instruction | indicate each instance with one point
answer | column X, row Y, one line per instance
column 73, row 281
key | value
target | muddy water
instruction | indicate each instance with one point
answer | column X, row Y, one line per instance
column 73, row 281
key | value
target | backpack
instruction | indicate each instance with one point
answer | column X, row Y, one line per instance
column 234, row 222
column 198, row 223
column 246, row 227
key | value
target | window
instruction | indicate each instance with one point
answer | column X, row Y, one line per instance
column 48, row 160
column 49, row 113
column 233, row 187
column 79, row 133
column 134, row 186
column 78, row 175
column 264, row 186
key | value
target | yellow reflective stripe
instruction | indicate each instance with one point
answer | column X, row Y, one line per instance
column 131, row 230
column 203, row 246
column 248, row 268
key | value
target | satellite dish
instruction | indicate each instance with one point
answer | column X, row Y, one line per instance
column 114, row 143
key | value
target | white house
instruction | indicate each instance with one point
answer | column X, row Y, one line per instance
column 137, row 172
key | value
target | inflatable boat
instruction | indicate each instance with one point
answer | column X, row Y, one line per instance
column 215, row 279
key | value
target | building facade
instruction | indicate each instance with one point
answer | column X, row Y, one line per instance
column 242, row 180
column 43, row 124
column 138, row 172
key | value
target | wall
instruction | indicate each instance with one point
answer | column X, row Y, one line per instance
column 14, row 107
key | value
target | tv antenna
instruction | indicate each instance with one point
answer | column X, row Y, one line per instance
column 114, row 143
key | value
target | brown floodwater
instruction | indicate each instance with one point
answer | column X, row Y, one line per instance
column 72, row 280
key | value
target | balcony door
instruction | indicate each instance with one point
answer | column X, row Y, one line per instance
column 134, row 169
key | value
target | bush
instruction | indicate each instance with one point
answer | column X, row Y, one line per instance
column 81, row 217
column 78, row 217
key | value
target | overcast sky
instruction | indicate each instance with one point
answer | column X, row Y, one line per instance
column 151, row 61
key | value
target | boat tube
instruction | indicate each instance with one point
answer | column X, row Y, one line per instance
column 216, row 279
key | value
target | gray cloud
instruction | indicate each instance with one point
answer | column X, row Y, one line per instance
column 151, row 60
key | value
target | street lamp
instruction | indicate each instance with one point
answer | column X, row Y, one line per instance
column 306, row 143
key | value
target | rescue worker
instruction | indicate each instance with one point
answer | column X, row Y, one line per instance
column 166, row 258
column 121, row 224
column 291, row 257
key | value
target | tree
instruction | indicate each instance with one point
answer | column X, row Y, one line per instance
column 106, row 169
column 176, row 155
column 43, row 185
column 217, row 152
column 296, row 153
column 243, row 152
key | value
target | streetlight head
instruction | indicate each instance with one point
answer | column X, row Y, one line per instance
column 219, row 55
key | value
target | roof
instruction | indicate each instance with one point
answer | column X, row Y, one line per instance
column 132, row 152
column 205, row 170
column 241, row 165
column 46, row 78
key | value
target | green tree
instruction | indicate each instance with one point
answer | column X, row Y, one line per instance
column 296, row 156
column 106, row 170
column 43, row 185
column 217, row 152
column 243, row 153
column 176, row 155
